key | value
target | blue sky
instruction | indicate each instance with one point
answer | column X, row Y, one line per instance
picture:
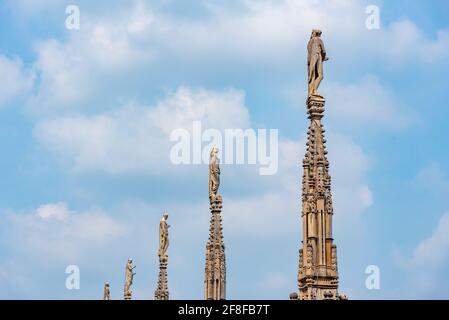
column 85, row 118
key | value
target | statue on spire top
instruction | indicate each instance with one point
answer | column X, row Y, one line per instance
column 163, row 236
column 214, row 174
column 316, row 55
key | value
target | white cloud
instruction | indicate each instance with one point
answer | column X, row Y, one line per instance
column 367, row 102
column 141, row 36
column 63, row 76
column 216, row 109
column 402, row 43
column 433, row 252
column 70, row 71
column 57, row 211
column 57, row 233
column 17, row 79
column 433, row 177
column 108, row 45
column 12, row 282
column 425, row 269
column 348, row 167
column 136, row 138
column 363, row 103
column 280, row 29
column 425, row 265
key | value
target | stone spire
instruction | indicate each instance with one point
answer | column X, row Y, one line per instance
column 317, row 275
column 161, row 292
column 215, row 271
column 317, row 272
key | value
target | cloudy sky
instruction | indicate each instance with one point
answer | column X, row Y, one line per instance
column 85, row 119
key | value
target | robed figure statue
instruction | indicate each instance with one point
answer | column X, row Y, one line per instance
column 214, row 173
column 316, row 55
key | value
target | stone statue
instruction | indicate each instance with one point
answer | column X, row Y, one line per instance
column 163, row 236
column 214, row 173
column 316, row 55
column 293, row 296
column 129, row 276
column 106, row 292
column 342, row 296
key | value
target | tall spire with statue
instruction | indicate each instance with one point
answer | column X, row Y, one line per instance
column 215, row 271
column 317, row 272
column 161, row 292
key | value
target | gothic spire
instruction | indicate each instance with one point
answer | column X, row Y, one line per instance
column 161, row 292
column 317, row 271
column 215, row 270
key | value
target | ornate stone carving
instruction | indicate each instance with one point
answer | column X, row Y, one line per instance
column 309, row 257
column 334, row 258
column 328, row 295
